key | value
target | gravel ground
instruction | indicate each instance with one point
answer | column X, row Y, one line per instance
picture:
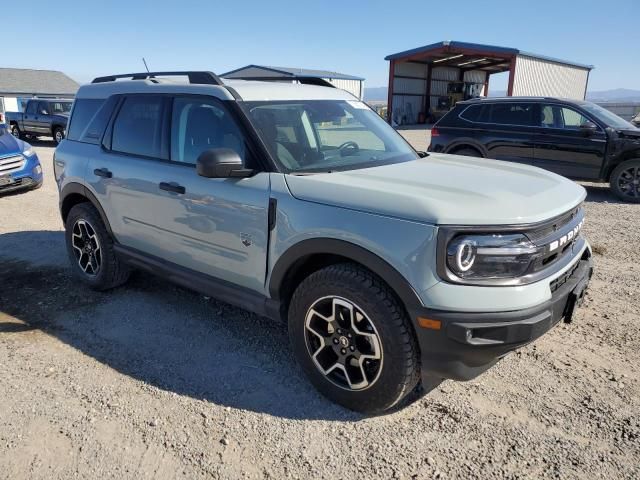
column 154, row 381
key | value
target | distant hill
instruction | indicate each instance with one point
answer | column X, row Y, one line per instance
column 615, row 95
column 375, row 94
column 379, row 94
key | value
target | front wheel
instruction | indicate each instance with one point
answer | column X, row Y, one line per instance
column 353, row 338
column 625, row 181
column 90, row 249
column 58, row 135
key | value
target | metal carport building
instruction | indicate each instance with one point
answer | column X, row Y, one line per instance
column 419, row 77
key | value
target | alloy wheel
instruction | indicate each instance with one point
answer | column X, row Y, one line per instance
column 86, row 247
column 343, row 343
column 629, row 182
column 58, row 136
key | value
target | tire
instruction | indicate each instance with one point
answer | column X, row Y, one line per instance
column 86, row 235
column 468, row 152
column 625, row 181
column 15, row 131
column 58, row 135
column 382, row 330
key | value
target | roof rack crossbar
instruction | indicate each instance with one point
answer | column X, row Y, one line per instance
column 206, row 78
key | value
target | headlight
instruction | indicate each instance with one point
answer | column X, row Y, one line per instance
column 28, row 151
column 480, row 257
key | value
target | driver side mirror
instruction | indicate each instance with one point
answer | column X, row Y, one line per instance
column 588, row 128
column 221, row 163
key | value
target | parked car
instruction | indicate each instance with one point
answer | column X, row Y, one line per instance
column 577, row 139
column 19, row 164
column 636, row 120
column 299, row 203
column 41, row 117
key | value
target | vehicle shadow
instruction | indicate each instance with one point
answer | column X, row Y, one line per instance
column 159, row 333
column 41, row 142
column 600, row 193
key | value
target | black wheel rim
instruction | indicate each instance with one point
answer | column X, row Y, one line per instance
column 343, row 343
column 86, row 247
column 629, row 182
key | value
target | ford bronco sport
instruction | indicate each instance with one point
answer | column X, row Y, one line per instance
column 299, row 202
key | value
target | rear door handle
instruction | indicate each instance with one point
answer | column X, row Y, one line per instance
column 172, row 187
column 103, row 172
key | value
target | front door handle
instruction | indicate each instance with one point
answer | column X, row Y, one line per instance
column 172, row 187
column 103, row 172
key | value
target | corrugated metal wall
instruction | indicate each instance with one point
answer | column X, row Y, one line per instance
column 541, row 78
column 355, row 87
column 408, row 98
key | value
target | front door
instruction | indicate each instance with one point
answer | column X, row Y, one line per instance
column 563, row 147
column 29, row 122
column 215, row 226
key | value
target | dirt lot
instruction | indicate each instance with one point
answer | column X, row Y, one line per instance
column 154, row 381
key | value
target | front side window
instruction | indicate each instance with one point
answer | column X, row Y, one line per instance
column 138, row 128
column 326, row 135
column 43, row 108
column 556, row 116
column 198, row 125
column 60, row 107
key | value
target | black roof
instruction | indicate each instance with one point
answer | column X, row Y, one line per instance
column 519, row 99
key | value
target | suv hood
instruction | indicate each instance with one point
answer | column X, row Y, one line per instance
column 445, row 189
column 10, row 145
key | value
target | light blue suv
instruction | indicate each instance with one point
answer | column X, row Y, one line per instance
column 297, row 202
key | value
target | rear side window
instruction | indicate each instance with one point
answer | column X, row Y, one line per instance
column 513, row 114
column 138, row 127
column 84, row 110
column 476, row 113
column 31, row 107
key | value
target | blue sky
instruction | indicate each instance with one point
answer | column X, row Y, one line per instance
column 85, row 39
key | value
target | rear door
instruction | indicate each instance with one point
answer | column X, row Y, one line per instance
column 29, row 117
column 42, row 121
column 563, row 147
column 507, row 131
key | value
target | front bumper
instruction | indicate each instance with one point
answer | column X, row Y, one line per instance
column 24, row 178
column 461, row 346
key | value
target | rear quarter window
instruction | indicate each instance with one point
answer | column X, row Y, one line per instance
column 476, row 113
column 84, row 110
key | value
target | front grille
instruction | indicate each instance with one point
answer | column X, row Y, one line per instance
column 556, row 239
column 12, row 164
column 564, row 278
column 548, row 229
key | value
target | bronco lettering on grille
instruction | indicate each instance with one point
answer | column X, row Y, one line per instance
column 567, row 238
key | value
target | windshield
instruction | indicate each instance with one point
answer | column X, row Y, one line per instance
column 610, row 119
column 326, row 135
column 60, row 107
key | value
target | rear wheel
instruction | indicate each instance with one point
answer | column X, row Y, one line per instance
column 15, row 131
column 90, row 249
column 58, row 135
column 353, row 338
column 625, row 181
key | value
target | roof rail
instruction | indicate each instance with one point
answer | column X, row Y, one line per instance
column 206, row 78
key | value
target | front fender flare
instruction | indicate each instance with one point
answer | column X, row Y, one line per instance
column 351, row 251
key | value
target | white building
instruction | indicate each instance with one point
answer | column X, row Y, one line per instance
column 17, row 85
column 350, row 83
